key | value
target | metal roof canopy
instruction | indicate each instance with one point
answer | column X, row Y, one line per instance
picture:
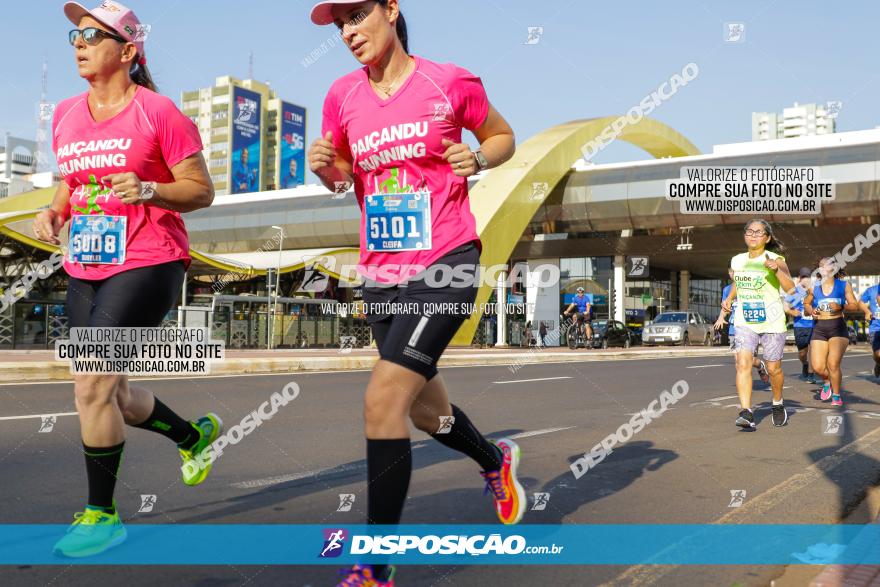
column 329, row 260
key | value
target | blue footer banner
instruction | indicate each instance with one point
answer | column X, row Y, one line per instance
column 278, row 544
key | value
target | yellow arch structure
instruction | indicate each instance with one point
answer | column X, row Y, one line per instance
column 503, row 202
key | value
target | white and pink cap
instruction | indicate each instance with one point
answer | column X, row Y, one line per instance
column 322, row 12
column 117, row 16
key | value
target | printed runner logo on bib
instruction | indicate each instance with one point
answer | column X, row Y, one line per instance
column 398, row 217
column 825, row 304
column 97, row 240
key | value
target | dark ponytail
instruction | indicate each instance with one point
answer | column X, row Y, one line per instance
column 401, row 27
column 401, row 32
column 840, row 273
column 141, row 75
column 773, row 245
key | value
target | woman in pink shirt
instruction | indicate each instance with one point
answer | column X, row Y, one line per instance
column 131, row 163
column 393, row 129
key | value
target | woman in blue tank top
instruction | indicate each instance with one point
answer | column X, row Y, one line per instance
column 826, row 302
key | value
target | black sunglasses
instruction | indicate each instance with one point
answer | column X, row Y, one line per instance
column 92, row 36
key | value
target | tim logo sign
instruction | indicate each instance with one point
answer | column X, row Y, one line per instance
column 245, row 109
column 334, row 542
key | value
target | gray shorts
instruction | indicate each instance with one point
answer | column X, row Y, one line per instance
column 747, row 339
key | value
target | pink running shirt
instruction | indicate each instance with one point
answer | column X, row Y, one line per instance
column 398, row 142
column 149, row 137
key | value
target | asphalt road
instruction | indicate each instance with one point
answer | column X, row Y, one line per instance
column 681, row 468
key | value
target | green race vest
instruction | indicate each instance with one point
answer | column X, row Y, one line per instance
column 759, row 306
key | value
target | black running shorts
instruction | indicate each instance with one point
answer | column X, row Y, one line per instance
column 137, row 298
column 828, row 329
column 802, row 337
column 407, row 328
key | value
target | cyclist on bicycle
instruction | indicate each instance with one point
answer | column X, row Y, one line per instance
column 581, row 303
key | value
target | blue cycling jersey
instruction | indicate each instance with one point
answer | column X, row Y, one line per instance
column 581, row 302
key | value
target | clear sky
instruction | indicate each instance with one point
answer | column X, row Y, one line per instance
column 593, row 59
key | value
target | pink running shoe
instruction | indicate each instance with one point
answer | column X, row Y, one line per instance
column 826, row 392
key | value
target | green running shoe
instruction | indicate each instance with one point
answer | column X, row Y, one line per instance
column 93, row 531
column 196, row 470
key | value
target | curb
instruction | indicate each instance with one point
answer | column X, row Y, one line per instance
column 860, row 575
column 12, row 371
column 851, row 575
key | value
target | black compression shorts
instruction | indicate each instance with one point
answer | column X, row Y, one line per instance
column 137, row 298
column 414, row 337
column 828, row 329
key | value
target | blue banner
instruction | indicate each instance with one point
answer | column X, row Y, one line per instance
column 246, row 140
column 291, row 147
column 612, row 544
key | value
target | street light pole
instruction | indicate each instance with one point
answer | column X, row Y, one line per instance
column 277, row 280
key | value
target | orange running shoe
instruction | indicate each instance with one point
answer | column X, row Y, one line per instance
column 509, row 496
column 362, row 576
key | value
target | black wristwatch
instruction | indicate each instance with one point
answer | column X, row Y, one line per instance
column 481, row 161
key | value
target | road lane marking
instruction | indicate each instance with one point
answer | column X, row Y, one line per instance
column 41, row 416
column 850, row 354
column 529, row 380
column 539, row 432
column 269, row 481
column 720, row 398
column 705, row 366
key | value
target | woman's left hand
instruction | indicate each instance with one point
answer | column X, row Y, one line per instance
column 770, row 263
column 460, row 157
column 126, row 186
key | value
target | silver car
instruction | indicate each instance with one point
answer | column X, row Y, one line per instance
column 683, row 327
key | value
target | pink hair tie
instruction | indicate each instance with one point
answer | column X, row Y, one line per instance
column 142, row 60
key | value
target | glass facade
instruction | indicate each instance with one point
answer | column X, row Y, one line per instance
column 594, row 274
column 645, row 299
column 705, row 297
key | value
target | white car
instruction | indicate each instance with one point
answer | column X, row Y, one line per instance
column 684, row 327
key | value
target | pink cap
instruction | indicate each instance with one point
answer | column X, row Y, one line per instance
column 114, row 15
column 322, row 12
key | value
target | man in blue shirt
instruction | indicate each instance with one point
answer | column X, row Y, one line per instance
column 290, row 180
column 244, row 176
column 731, row 331
column 803, row 325
column 868, row 304
column 581, row 303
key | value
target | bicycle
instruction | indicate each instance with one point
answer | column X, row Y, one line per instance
column 576, row 335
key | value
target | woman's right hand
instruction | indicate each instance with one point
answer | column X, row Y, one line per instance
column 322, row 154
column 47, row 226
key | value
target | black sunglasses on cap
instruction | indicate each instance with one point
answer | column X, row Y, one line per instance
column 92, row 36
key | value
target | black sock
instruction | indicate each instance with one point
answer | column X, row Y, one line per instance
column 102, row 467
column 379, row 572
column 389, row 465
column 464, row 437
column 806, row 369
column 164, row 421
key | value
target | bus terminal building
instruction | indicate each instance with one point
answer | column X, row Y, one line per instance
column 606, row 227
